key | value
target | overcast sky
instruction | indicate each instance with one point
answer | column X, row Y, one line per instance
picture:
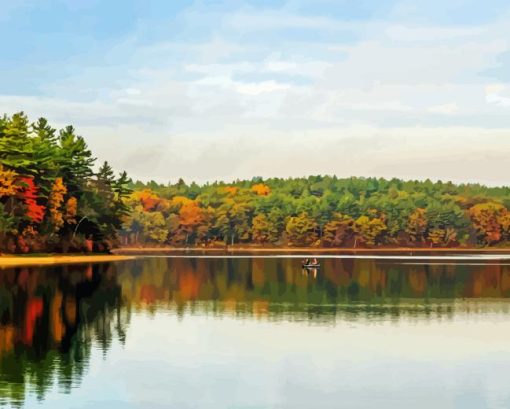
column 235, row 89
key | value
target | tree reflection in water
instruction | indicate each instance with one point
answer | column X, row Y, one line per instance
column 49, row 319
column 53, row 318
column 342, row 288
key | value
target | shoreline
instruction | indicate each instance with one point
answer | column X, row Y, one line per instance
column 58, row 259
column 140, row 251
column 130, row 253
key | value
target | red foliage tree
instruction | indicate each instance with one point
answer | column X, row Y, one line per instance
column 35, row 211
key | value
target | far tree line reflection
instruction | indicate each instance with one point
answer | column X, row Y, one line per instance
column 231, row 284
column 52, row 318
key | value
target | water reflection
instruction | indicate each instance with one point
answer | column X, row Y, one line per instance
column 280, row 289
column 52, row 318
column 49, row 319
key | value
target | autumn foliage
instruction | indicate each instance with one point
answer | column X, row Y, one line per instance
column 54, row 198
column 318, row 211
column 55, row 201
column 29, row 195
column 51, row 199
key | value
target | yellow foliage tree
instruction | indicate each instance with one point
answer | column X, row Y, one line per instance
column 417, row 225
column 442, row 236
column 8, row 185
column 368, row 230
column 263, row 231
column 300, row 230
column 55, row 201
column 71, row 210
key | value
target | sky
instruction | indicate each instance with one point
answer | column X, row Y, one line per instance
column 223, row 90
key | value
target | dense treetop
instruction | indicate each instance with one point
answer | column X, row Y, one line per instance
column 319, row 211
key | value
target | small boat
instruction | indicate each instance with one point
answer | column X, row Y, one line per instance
column 310, row 265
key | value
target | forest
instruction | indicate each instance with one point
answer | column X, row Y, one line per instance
column 318, row 211
column 54, row 197
column 51, row 197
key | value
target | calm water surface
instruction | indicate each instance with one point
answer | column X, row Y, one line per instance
column 256, row 333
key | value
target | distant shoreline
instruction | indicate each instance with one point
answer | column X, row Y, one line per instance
column 57, row 259
column 302, row 250
column 130, row 253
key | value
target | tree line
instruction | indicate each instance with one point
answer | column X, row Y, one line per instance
column 51, row 198
column 321, row 211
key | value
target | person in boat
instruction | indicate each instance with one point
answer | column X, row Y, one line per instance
column 310, row 263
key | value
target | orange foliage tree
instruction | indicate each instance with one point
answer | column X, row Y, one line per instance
column 489, row 219
column 71, row 210
column 261, row 189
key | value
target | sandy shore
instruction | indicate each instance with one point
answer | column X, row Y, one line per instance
column 54, row 259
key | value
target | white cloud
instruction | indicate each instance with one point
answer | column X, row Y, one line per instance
column 495, row 94
column 133, row 91
column 447, row 109
column 235, row 104
column 134, row 102
column 260, row 87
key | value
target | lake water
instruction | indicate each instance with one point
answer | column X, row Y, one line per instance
column 220, row 332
